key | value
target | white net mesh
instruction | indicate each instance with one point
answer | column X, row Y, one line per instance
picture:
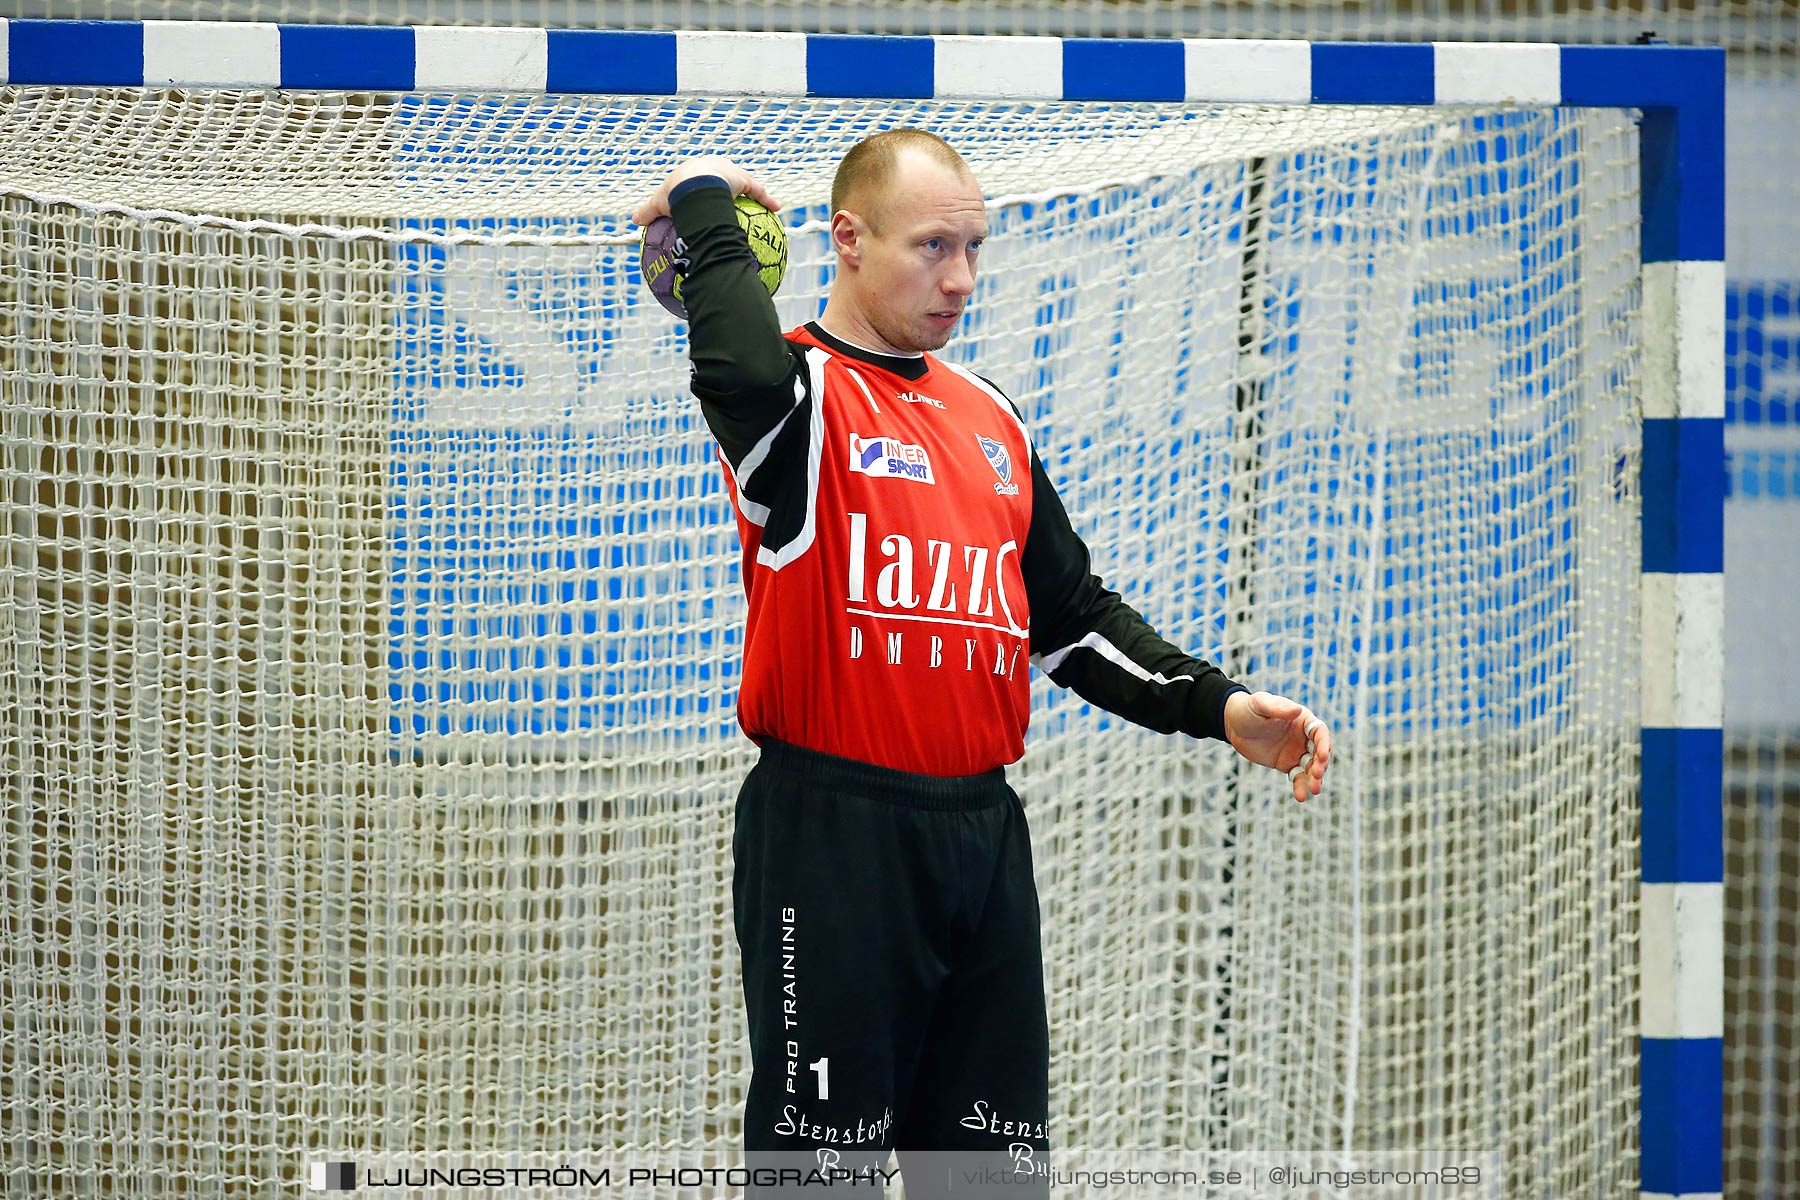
column 483, row 156
column 372, row 629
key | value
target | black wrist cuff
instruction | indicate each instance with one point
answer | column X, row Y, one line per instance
column 695, row 184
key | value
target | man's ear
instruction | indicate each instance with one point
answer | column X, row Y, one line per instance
column 847, row 234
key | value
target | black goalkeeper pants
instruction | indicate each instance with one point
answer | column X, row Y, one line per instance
column 893, row 970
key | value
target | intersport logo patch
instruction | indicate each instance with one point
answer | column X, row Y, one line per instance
column 890, row 458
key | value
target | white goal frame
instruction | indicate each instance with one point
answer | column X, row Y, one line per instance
column 1680, row 92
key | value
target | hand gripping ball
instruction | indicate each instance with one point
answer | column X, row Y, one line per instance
column 662, row 258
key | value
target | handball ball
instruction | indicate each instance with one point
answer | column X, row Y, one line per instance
column 762, row 228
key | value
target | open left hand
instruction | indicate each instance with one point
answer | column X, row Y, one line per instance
column 1274, row 731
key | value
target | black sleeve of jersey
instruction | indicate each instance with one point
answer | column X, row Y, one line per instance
column 747, row 376
column 1088, row 639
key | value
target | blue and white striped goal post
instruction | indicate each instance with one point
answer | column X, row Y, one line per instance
column 1681, row 92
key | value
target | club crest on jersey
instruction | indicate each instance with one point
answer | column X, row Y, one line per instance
column 999, row 459
column 889, row 458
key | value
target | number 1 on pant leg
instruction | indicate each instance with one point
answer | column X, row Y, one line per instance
column 822, row 1069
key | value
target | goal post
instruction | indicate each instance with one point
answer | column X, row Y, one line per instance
column 369, row 605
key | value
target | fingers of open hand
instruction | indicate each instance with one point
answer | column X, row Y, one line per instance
column 1308, row 775
column 754, row 189
column 656, row 206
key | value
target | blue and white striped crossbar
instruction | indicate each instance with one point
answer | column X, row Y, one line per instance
column 1681, row 92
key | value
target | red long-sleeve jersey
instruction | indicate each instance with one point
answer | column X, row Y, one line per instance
column 905, row 557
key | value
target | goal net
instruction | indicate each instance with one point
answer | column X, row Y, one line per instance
column 370, row 624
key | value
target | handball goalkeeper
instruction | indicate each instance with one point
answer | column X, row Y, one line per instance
column 906, row 560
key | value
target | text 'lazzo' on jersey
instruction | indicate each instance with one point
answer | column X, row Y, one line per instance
column 951, row 585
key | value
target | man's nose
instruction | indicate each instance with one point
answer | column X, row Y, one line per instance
column 960, row 280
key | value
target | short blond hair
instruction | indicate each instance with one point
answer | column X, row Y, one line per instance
column 868, row 168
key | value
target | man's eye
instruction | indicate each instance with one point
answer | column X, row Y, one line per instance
column 975, row 246
column 934, row 244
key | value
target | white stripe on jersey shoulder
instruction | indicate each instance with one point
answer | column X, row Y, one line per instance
column 1111, row 653
column 760, row 451
column 995, row 395
column 815, row 444
column 867, row 394
column 756, row 514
